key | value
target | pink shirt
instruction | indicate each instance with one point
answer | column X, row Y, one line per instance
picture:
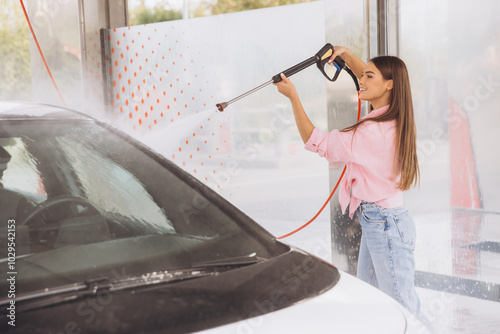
column 369, row 161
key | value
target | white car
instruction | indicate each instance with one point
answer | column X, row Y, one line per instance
column 101, row 235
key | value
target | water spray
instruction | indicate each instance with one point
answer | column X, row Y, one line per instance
column 321, row 59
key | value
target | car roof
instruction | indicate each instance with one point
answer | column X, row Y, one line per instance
column 27, row 110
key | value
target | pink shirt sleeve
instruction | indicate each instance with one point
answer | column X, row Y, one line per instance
column 333, row 146
column 373, row 145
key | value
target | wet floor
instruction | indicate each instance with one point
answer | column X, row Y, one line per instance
column 453, row 314
column 461, row 293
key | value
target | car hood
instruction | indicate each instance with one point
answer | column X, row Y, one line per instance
column 351, row 306
column 184, row 306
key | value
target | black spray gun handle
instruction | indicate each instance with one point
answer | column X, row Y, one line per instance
column 321, row 58
column 294, row 69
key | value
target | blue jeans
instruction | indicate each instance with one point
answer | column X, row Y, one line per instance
column 386, row 258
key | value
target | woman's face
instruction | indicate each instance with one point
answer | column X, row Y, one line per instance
column 373, row 87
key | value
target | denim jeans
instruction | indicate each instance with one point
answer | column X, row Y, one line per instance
column 386, row 258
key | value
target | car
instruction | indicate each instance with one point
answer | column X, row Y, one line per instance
column 99, row 234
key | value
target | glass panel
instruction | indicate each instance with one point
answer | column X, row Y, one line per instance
column 143, row 12
column 15, row 68
column 455, row 93
column 151, row 11
column 451, row 49
column 56, row 25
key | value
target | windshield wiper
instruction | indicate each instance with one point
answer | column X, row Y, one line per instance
column 196, row 270
column 230, row 262
column 90, row 287
column 51, row 296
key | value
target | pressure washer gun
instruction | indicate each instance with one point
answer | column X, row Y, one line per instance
column 321, row 59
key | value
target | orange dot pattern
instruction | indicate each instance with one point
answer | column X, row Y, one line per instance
column 158, row 83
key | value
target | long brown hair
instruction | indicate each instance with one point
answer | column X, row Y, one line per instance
column 401, row 110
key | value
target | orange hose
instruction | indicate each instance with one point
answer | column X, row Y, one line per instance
column 333, row 191
column 41, row 53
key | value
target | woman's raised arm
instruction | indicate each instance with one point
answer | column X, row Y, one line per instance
column 304, row 124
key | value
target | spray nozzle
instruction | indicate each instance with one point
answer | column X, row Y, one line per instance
column 221, row 106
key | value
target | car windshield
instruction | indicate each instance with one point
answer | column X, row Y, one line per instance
column 87, row 202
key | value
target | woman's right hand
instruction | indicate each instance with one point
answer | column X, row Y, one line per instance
column 341, row 52
column 354, row 63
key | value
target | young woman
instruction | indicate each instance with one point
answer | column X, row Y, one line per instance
column 381, row 158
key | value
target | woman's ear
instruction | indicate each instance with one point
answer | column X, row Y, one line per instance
column 390, row 84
